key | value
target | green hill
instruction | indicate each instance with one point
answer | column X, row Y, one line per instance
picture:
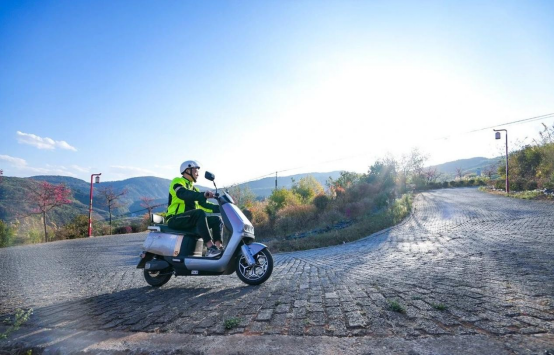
column 262, row 188
column 469, row 166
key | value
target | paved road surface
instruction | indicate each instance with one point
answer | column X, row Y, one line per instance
column 466, row 267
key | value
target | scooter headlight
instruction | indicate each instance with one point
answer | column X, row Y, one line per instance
column 249, row 229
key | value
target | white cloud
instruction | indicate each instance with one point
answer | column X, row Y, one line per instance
column 23, row 169
column 80, row 168
column 16, row 162
column 42, row 143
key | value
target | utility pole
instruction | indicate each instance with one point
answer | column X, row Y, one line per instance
column 276, row 180
column 497, row 136
column 90, row 206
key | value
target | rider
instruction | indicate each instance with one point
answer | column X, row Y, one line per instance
column 187, row 207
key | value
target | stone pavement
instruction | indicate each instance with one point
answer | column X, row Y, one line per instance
column 467, row 271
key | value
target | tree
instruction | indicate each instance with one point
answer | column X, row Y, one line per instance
column 490, row 170
column 459, row 173
column 280, row 198
column 148, row 203
column 345, row 180
column 307, row 188
column 45, row 197
column 431, row 175
column 382, row 172
column 411, row 166
column 112, row 199
column 243, row 196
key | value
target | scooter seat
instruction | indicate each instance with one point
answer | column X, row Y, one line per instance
column 165, row 229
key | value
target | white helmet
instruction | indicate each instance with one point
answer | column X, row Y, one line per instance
column 189, row 164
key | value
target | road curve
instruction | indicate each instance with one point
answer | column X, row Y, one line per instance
column 465, row 264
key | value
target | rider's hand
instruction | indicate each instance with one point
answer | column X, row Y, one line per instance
column 208, row 194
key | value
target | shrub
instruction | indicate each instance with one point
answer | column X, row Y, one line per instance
column 123, row 230
column 247, row 213
column 531, row 185
column 362, row 190
column 295, row 218
column 258, row 212
column 500, row 184
column 279, row 199
column 330, row 217
column 354, row 209
column 384, row 198
column 77, row 228
column 518, row 184
column 139, row 226
column 35, row 236
column 321, row 202
column 445, row 184
column 6, row 234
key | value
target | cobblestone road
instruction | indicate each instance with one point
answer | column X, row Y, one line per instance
column 464, row 263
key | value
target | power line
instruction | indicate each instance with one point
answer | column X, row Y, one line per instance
column 530, row 119
column 536, row 118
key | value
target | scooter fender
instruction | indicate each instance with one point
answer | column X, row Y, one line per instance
column 144, row 257
column 255, row 248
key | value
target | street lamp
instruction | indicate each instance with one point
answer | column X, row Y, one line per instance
column 97, row 180
column 498, row 136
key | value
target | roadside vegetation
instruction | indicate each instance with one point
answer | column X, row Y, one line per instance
column 531, row 169
column 306, row 216
column 351, row 207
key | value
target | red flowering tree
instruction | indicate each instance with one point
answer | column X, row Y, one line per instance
column 45, row 197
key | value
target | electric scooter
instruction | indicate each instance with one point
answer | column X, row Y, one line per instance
column 168, row 252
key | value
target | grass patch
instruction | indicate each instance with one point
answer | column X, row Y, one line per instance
column 20, row 317
column 524, row 195
column 439, row 306
column 231, row 323
column 365, row 226
column 396, row 307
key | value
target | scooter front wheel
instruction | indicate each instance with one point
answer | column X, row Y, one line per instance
column 257, row 273
column 157, row 278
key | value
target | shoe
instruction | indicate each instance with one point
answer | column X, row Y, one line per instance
column 213, row 252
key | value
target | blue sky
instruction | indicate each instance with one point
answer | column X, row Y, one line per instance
column 133, row 88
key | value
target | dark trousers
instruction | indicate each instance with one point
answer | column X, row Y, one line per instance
column 196, row 219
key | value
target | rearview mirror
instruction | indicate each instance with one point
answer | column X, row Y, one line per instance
column 209, row 176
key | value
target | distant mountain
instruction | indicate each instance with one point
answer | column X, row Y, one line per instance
column 262, row 188
column 13, row 193
column 468, row 166
column 13, row 190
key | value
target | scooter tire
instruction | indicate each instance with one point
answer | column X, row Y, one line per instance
column 157, row 278
column 248, row 276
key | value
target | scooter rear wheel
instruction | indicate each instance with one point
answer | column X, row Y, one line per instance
column 259, row 272
column 157, row 278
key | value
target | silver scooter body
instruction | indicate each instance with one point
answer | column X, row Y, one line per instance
column 241, row 229
column 169, row 252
